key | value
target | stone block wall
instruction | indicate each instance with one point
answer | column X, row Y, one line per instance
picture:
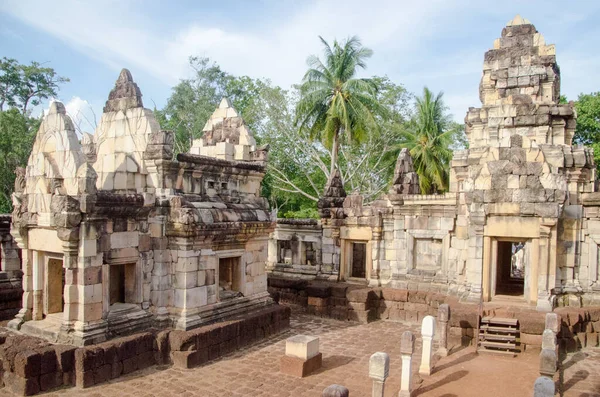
column 10, row 271
column 295, row 248
column 30, row 365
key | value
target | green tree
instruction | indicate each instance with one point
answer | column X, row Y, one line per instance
column 333, row 102
column 428, row 138
column 22, row 86
column 588, row 119
column 17, row 132
column 587, row 131
column 193, row 100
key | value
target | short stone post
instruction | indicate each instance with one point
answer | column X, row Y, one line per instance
column 427, row 332
column 443, row 317
column 302, row 356
column 549, row 340
column 336, row 391
column 379, row 369
column 548, row 363
column 407, row 345
column 552, row 322
column 543, row 387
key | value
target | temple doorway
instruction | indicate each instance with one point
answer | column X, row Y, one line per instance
column 230, row 278
column 358, row 260
column 54, row 286
column 510, row 268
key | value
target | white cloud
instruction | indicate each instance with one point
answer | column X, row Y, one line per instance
column 81, row 112
column 413, row 41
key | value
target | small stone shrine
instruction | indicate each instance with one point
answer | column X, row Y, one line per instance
column 117, row 235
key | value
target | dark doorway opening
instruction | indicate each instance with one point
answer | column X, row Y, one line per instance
column 230, row 278
column 510, row 268
column 55, row 285
column 122, row 284
column 358, row 268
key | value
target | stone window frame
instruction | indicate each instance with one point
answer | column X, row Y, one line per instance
column 231, row 253
column 135, row 260
column 593, row 264
column 346, row 259
column 412, row 235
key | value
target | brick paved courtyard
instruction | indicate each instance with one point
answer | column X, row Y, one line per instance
column 346, row 350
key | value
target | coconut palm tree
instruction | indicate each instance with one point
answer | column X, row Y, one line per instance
column 333, row 102
column 428, row 138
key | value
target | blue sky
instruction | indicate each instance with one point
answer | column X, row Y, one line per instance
column 435, row 43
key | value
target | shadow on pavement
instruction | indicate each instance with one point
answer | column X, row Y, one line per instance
column 449, row 378
column 460, row 360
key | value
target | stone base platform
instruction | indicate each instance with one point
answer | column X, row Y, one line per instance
column 351, row 302
column 300, row 368
column 11, row 295
column 35, row 365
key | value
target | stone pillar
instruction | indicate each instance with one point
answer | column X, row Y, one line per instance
column 548, row 361
column 407, row 345
column 475, row 263
column 162, row 289
column 379, row 369
column 443, row 317
column 89, row 325
column 427, row 333
column 543, row 282
column 336, row 391
column 70, row 293
column 38, row 285
column 543, row 387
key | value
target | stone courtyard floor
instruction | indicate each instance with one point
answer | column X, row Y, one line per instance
column 346, row 349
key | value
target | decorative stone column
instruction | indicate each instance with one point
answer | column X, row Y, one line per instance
column 543, row 276
column 407, row 345
column 38, row 286
column 70, row 294
column 379, row 369
column 427, row 333
column 475, row 264
column 443, row 317
column 332, row 216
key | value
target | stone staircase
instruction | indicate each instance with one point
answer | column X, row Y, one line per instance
column 499, row 335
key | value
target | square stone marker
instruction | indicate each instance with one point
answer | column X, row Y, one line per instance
column 302, row 346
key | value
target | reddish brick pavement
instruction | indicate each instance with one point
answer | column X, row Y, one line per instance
column 346, row 349
column 581, row 376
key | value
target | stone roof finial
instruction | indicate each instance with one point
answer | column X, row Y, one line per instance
column 57, row 107
column 125, row 95
column 225, row 103
column 125, row 76
column 518, row 20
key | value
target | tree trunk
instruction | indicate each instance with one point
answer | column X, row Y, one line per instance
column 334, row 153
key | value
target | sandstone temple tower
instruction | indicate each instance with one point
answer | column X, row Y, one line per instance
column 520, row 219
column 117, row 235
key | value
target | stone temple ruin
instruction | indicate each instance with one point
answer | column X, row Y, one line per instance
column 521, row 186
column 116, row 235
column 113, row 235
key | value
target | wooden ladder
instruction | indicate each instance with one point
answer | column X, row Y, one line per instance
column 499, row 335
